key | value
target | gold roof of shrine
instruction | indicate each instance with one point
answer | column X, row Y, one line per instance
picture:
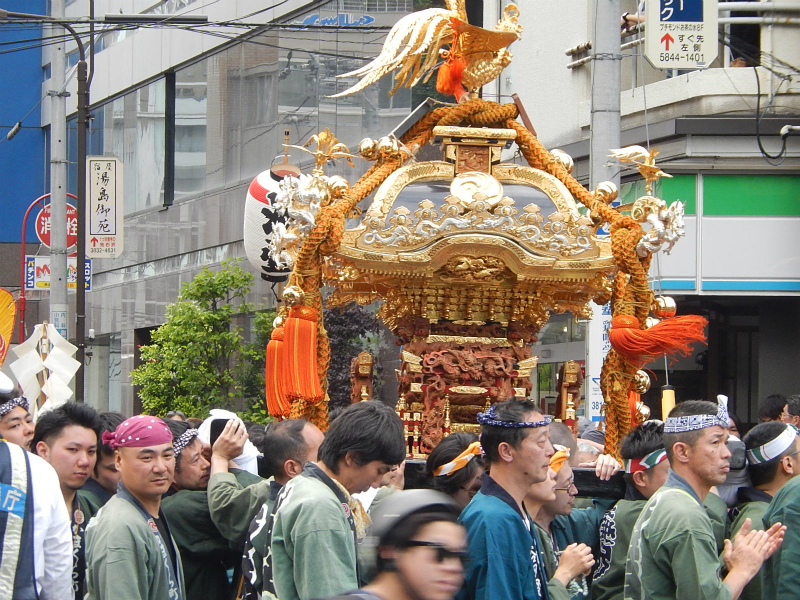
column 472, row 239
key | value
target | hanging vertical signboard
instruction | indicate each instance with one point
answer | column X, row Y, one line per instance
column 104, row 214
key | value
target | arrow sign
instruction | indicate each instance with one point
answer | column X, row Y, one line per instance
column 94, row 241
column 681, row 34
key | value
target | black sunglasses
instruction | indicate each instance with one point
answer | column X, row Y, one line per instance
column 442, row 552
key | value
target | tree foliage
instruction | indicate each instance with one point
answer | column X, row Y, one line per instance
column 348, row 328
column 197, row 359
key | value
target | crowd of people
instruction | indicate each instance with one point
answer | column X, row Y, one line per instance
column 100, row 506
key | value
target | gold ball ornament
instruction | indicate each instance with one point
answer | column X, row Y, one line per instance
column 278, row 321
column 564, row 159
column 650, row 321
column 368, row 149
column 338, row 185
column 388, row 146
column 641, row 382
column 642, row 411
column 293, row 296
column 606, row 192
column 664, row 307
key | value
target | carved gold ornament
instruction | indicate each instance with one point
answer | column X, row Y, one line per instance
column 415, row 45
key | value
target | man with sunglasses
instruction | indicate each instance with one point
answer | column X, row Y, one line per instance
column 416, row 546
column 772, row 461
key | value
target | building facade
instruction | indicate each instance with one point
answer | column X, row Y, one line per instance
column 194, row 112
column 718, row 134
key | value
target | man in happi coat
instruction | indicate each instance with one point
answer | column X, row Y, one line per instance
column 35, row 540
column 130, row 554
column 317, row 524
column 505, row 559
column 673, row 552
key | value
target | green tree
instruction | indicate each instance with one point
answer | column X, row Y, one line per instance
column 197, row 359
column 349, row 328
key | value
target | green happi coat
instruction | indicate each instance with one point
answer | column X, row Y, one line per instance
column 673, row 551
column 312, row 541
column 207, row 550
column 555, row 589
column 608, row 577
column 781, row 571
column 89, row 507
column 234, row 499
column 125, row 559
column 753, row 504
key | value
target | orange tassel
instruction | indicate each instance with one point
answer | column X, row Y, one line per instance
column 450, row 75
column 670, row 336
column 633, row 399
column 278, row 404
column 300, row 345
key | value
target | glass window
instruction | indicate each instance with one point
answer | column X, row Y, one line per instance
column 245, row 97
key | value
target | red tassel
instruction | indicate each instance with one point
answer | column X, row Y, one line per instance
column 670, row 336
column 300, row 347
column 278, row 404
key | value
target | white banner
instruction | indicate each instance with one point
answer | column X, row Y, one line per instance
column 597, row 346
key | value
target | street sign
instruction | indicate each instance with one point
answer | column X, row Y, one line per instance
column 43, row 226
column 681, row 34
column 37, row 273
column 105, row 210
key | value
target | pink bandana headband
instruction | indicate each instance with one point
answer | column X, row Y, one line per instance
column 138, row 432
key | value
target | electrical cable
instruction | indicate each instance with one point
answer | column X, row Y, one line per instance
column 781, row 156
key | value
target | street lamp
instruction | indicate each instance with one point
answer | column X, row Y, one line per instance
column 82, row 121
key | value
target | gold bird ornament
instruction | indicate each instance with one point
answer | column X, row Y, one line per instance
column 417, row 42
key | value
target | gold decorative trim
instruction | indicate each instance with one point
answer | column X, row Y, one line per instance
column 415, row 387
column 472, row 135
column 520, row 393
column 411, row 358
column 528, row 363
column 468, row 389
column 455, row 339
column 465, row 428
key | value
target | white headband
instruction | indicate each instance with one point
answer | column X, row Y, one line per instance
column 773, row 448
column 694, row 422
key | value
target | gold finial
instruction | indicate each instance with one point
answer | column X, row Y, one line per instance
column 328, row 148
column 645, row 160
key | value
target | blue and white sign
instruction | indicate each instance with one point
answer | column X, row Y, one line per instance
column 681, row 34
column 37, row 273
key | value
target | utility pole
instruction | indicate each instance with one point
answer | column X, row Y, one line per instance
column 58, row 176
column 605, row 132
column 604, row 135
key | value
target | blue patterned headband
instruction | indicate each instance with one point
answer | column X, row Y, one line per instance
column 489, row 418
column 694, row 422
column 7, row 407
